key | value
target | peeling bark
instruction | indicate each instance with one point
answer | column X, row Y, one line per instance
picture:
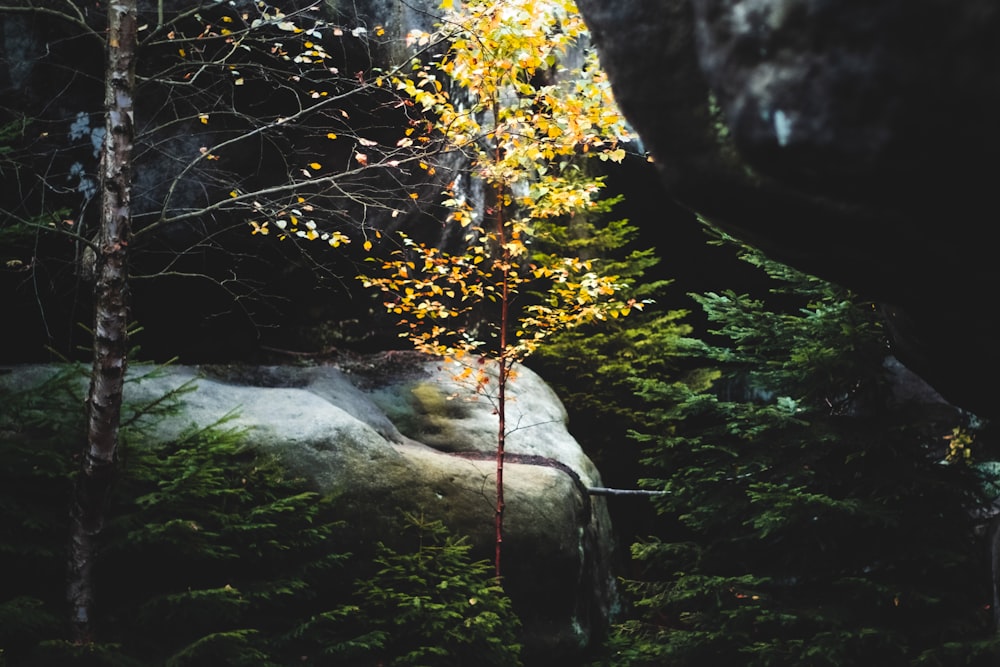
column 111, row 307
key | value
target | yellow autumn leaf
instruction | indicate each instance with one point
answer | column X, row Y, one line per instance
column 497, row 51
column 367, row 245
column 315, row 166
column 331, row 135
column 203, row 118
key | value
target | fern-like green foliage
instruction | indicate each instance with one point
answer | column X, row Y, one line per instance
column 591, row 367
column 216, row 555
column 213, row 552
column 36, row 465
column 804, row 520
column 434, row 606
column 239, row 551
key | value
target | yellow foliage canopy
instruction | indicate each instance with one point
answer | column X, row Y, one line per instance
column 523, row 124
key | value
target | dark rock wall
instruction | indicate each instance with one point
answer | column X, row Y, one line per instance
column 853, row 140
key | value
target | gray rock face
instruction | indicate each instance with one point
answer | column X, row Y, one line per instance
column 852, row 140
column 396, row 432
column 396, row 19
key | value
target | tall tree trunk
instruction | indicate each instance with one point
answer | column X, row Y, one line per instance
column 503, row 360
column 111, row 307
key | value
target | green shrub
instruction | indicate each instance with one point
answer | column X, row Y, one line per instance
column 434, row 607
column 804, row 520
column 211, row 551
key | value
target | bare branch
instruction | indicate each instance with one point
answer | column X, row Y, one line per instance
column 604, row 491
column 72, row 15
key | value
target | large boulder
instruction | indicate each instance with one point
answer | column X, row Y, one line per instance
column 853, row 140
column 392, row 433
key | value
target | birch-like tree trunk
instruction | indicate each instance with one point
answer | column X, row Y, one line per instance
column 111, row 307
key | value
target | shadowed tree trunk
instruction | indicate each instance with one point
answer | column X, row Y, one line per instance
column 110, row 342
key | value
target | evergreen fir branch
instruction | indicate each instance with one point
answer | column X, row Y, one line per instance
column 233, row 647
column 791, row 534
